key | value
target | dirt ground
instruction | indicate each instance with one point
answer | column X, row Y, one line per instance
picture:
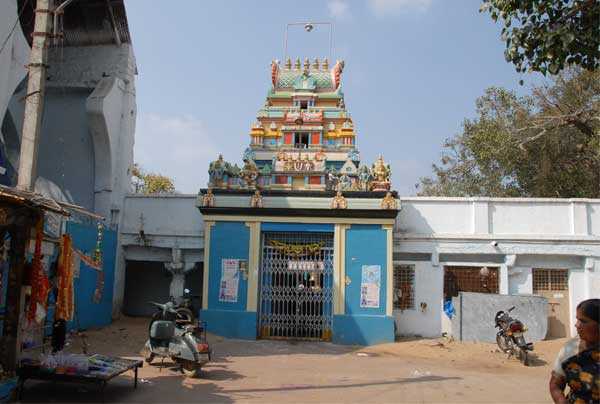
column 424, row 370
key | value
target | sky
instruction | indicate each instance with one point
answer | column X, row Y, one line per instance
column 413, row 71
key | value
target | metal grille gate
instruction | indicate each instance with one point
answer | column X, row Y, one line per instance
column 296, row 287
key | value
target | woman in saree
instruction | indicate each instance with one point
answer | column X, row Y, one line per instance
column 578, row 362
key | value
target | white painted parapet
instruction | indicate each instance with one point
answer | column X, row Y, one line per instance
column 165, row 219
column 499, row 217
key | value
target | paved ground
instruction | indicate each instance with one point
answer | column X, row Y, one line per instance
column 277, row 371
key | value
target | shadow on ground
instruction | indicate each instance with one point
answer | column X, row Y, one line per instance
column 168, row 386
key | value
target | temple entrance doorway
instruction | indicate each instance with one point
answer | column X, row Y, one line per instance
column 296, row 286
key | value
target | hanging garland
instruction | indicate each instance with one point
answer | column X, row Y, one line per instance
column 40, row 286
column 95, row 263
column 98, row 260
column 297, row 250
column 64, row 300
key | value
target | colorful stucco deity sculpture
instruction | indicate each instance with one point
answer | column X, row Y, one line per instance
column 256, row 201
column 389, row 202
column 216, row 173
column 381, row 173
column 345, row 183
column 339, row 202
column 364, row 176
column 249, row 174
column 208, row 199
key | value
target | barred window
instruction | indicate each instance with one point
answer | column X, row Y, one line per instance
column 550, row 280
column 469, row 279
column 404, row 287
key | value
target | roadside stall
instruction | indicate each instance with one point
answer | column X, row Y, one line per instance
column 39, row 269
column 20, row 213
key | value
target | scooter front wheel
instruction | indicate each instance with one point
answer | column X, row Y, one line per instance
column 148, row 356
column 189, row 368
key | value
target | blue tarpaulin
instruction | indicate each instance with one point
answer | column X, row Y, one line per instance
column 449, row 308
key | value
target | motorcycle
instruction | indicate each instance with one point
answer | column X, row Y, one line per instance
column 172, row 337
column 186, row 308
column 510, row 337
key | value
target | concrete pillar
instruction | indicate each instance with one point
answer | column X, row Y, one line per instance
column 178, row 269
column 503, row 280
column 34, row 100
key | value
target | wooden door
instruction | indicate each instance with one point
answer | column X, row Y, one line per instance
column 553, row 284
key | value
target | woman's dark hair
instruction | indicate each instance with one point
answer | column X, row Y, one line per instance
column 591, row 309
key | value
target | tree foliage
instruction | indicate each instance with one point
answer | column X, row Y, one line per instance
column 150, row 183
column 548, row 35
column 545, row 144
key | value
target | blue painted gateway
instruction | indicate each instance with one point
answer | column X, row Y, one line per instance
column 298, row 242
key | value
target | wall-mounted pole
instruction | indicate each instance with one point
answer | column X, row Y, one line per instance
column 34, row 100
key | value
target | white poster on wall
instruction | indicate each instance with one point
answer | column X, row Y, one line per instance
column 230, row 280
column 370, row 285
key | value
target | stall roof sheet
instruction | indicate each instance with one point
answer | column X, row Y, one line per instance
column 31, row 199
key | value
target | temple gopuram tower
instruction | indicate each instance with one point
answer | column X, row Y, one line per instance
column 298, row 237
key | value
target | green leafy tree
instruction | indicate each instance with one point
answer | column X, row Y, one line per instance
column 548, row 35
column 545, row 144
column 150, row 183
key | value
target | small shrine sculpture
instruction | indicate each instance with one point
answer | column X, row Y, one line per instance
column 389, row 202
column 339, row 202
column 208, row 199
column 256, row 200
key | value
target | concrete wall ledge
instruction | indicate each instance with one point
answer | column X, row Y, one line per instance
column 498, row 237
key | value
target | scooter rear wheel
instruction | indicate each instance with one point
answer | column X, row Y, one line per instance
column 189, row 368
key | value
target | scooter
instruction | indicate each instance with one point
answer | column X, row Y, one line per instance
column 180, row 340
column 510, row 337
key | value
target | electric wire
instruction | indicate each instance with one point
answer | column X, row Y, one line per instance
column 13, row 27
